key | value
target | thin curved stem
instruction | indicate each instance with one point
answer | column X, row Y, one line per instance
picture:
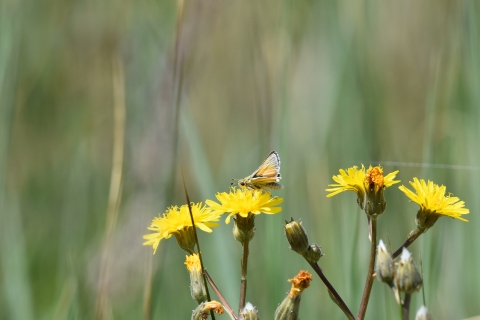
column 371, row 266
column 333, row 292
column 413, row 236
column 225, row 304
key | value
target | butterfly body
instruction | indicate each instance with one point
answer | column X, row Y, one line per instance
column 267, row 176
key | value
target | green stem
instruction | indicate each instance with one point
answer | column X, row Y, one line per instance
column 333, row 293
column 371, row 266
column 243, row 285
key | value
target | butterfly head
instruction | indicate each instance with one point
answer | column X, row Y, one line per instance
column 241, row 183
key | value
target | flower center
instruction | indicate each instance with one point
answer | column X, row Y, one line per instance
column 374, row 175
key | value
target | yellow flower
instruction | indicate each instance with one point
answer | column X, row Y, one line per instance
column 244, row 201
column 176, row 221
column 357, row 180
column 193, row 263
column 433, row 203
column 197, row 288
column 367, row 184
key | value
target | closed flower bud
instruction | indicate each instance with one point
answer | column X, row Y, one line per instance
column 385, row 267
column 408, row 278
column 423, row 314
column 244, row 228
column 290, row 306
column 249, row 312
column 197, row 287
column 296, row 236
column 313, row 253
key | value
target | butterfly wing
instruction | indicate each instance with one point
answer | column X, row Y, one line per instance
column 269, row 170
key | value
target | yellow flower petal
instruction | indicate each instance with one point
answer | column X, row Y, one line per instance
column 244, row 201
column 176, row 219
column 432, row 199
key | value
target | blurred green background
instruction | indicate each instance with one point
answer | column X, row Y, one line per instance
column 327, row 84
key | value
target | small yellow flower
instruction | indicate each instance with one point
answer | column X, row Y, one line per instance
column 176, row 221
column 243, row 202
column 197, row 288
column 358, row 180
column 367, row 184
column 193, row 263
column 433, row 203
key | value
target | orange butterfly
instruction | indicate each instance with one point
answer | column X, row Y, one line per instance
column 266, row 176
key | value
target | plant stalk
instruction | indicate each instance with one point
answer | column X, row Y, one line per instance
column 407, row 243
column 333, row 292
column 243, row 284
column 371, row 267
column 220, row 296
column 406, row 306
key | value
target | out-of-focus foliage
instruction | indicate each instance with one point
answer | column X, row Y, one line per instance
column 327, row 84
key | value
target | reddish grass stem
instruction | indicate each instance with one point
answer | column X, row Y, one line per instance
column 332, row 291
column 371, row 266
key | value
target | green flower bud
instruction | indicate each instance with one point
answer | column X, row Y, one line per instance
column 408, row 278
column 385, row 267
column 313, row 253
column 296, row 236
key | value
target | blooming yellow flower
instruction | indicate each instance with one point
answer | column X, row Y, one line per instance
column 358, row 180
column 244, row 201
column 367, row 184
column 176, row 221
column 433, row 202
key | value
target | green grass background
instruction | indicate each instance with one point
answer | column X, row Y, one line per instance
column 327, row 84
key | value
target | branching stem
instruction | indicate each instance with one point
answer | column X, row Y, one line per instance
column 408, row 242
